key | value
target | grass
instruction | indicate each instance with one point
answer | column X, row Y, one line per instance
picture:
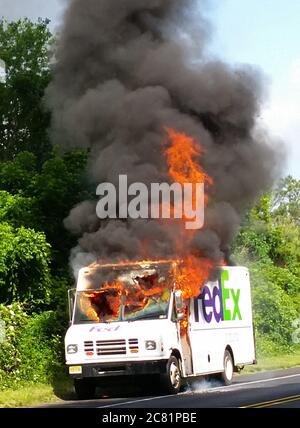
column 27, row 396
column 31, row 395
column 281, row 361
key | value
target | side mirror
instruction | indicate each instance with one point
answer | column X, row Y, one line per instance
column 179, row 301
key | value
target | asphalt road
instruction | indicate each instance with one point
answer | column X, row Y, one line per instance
column 276, row 389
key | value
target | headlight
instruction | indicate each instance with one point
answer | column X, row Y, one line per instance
column 150, row 345
column 72, row 349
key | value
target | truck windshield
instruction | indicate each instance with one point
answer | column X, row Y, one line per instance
column 124, row 296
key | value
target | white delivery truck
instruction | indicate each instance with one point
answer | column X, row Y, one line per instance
column 131, row 320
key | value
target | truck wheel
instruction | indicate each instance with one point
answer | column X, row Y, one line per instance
column 171, row 380
column 85, row 390
column 227, row 375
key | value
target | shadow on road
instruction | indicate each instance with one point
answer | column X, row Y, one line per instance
column 130, row 387
column 116, row 388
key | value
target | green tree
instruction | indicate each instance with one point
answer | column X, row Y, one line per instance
column 60, row 185
column 19, row 211
column 41, row 199
column 24, row 47
column 17, row 175
column 274, row 313
column 269, row 243
column 24, row 266
column 286, row 201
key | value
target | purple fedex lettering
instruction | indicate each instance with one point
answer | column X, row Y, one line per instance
column 207, row 303
column 214, row 302
column 217, row 297
column 211, row 304
column 104, row 329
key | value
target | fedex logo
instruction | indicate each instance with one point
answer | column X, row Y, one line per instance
column 215, row 303
column 108, row 329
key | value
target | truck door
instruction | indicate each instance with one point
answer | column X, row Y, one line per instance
column 186, row 345
column 181, row 317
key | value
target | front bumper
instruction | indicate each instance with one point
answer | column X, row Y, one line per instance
column 99, row 370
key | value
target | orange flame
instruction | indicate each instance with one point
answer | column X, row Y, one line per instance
column 192, row 274
column 183, row 160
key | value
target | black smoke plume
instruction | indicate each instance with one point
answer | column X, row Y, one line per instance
column 124, row 70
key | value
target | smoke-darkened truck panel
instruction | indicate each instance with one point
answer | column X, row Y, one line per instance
column 130, row 319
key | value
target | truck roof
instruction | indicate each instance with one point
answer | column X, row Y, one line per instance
column 129, row 265
column 143, row 265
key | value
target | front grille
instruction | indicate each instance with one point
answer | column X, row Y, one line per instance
column 112, row 347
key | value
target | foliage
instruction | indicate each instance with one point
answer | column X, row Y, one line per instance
column 286, row 200
column 269, row 243
column 24, row 47
column 15, row 319
column 24, row 266
column 18, row 210
column 274, row 311
column 59, row 186
column 41, row 342
column 42, row 198
column 39, row 186
column 17, row 175
column 34, row 339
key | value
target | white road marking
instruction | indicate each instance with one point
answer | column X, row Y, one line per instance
column 138, row 401
column 210, row 390
column 238, row 385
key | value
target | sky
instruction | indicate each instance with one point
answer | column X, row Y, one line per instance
column 264, row 33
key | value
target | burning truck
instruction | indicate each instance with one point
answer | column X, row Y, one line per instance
column 134, row 87
column 132, row 319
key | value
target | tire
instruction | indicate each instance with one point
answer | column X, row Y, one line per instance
column 85, row 390
column 171, row 381
column 227, row 375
